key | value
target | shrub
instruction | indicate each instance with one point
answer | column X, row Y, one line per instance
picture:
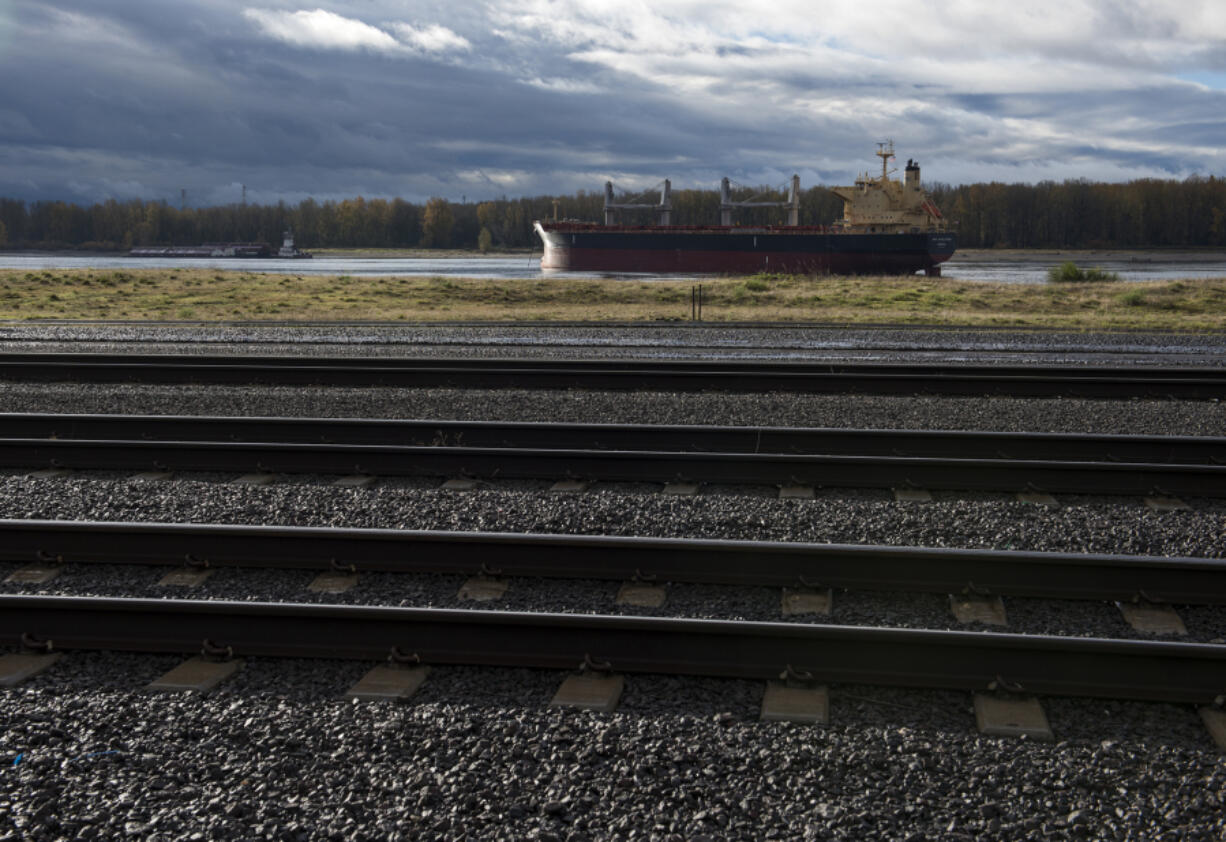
column 1133, row 298
column 1069, row 272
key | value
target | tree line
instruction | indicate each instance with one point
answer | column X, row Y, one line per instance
column 1147, row 213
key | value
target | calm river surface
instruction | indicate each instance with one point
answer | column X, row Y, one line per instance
column 1148, row 266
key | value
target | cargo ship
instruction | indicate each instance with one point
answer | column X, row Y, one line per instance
column 240, row 250
column 888, row 228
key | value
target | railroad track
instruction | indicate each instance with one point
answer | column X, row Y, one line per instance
column 1191, row 382
column 1068, row 463
column 964, row 353
column 1184, row 672
column 758, row 563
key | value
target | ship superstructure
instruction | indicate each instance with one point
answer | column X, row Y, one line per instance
column 881, row 204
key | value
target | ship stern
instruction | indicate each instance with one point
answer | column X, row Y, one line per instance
column 941, row 247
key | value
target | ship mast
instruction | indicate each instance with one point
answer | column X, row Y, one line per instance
column 885, row 151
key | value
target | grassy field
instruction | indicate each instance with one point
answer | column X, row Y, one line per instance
column 208, row 295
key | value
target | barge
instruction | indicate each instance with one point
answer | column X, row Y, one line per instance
column 239, row 250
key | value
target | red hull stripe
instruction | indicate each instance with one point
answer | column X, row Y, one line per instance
column 736, row 262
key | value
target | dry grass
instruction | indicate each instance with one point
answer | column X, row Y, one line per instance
column 207, row 295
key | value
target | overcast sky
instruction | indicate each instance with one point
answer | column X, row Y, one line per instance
column 139, row 98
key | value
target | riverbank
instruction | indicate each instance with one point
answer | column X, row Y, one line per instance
column 419, row 254
column 210, row 295
column 1089, row 257
column 1150, row 255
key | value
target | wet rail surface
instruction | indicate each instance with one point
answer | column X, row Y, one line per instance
column 1174, row 382
column 1051, row 463
column 755, row 563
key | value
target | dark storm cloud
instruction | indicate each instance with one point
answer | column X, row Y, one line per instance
column 139, row 98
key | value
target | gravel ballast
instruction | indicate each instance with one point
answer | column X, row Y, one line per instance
column 1060, row 415
column 693, row 340
column 277, row 754
column 1098, row 526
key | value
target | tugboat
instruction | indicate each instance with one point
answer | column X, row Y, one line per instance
column 888, row 227
column 289, row 250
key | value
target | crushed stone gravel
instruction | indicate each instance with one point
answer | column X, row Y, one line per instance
column 1090, row 525
column 277, row 754
column 1137, row 417
column 693, row 340
column 478, row 755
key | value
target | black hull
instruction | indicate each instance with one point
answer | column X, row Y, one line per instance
column 739, row 251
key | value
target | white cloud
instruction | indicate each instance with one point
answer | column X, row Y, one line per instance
column 321, row 29
column 430, row 39
column 962, row 79
column 565, row 86
column 1050, row 43
column 519, row 96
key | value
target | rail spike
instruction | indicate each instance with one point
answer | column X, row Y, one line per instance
column 589, row 665
column 791, row 675
column 29, row 641
column 209, row 649
column 1002, row 685
column 396, row 656
column 971, row 589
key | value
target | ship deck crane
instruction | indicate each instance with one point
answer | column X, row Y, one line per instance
column 726, row 205
column 664, row 208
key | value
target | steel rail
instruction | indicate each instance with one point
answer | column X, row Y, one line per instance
column 1198, row 382
column 1179, row 580
column 1183, row 672
column 623, row 466
column 640, row 437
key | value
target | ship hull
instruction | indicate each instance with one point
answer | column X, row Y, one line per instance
column 722, row 250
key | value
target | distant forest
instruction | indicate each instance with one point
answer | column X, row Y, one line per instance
column 1148, row 213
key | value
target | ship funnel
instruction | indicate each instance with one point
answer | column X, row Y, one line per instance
column 912, row 177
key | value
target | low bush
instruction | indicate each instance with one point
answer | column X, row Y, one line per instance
column 1069, row 272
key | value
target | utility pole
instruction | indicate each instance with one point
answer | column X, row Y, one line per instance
column 244, row 195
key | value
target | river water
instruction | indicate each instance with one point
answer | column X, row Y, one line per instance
column 1148, row 266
